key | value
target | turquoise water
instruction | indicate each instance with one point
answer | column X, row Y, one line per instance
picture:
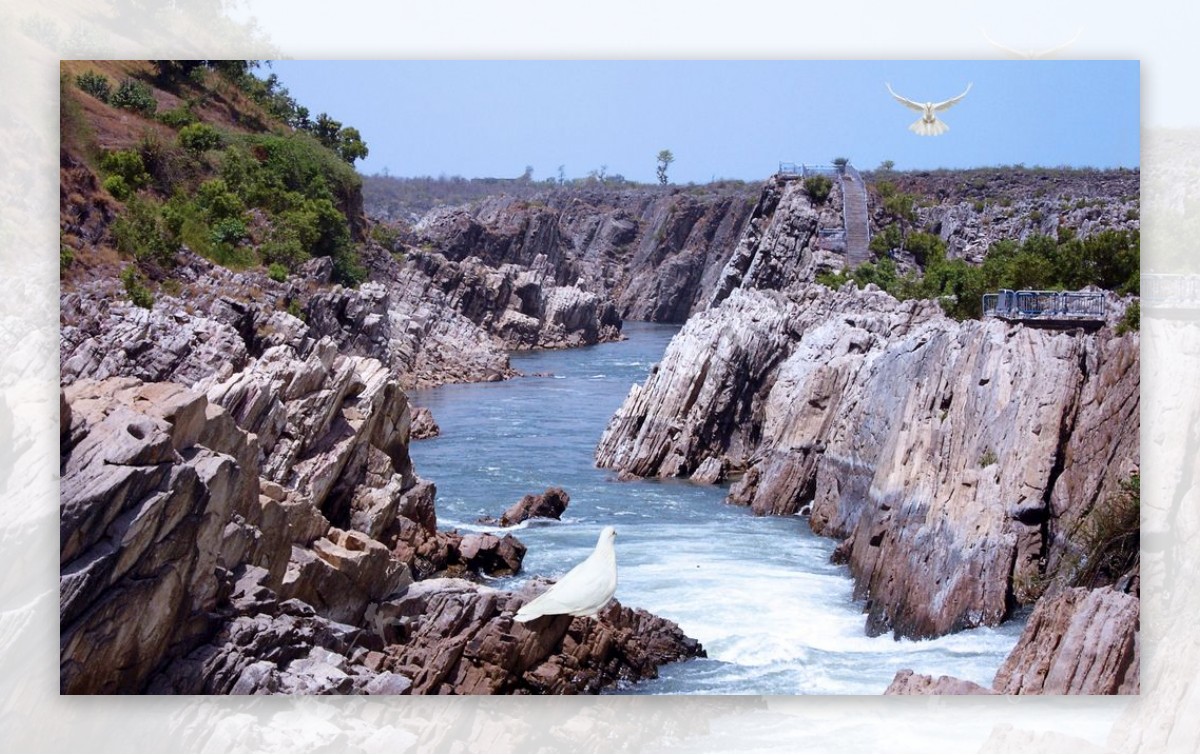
column 759, row 592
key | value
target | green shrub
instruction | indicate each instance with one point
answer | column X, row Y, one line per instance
column 143, row 232
column 283, row 247
column 128, row 166
column 386, row 236
column 901, row 207
column 818, row 188
column 198, row 138
column 228, row 231
column 1132, row 319
column 988, row 458
column 66, row 256
column 177, row 117
column 95, row 84
column 277, row 272
column 832, row 279
column 890, row 238
column 1109, row 538
column 133, row 95
column 347, row 269
column 218, row 201
column 135, row 288
column 118, row 187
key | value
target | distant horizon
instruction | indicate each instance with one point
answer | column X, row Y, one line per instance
column 876, row 169
column 734, row 120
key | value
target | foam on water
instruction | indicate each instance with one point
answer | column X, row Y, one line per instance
column 775, row 616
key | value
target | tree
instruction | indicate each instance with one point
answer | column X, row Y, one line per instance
column 665, row 158
column 347, row 142
column 887, row 165
column 840, row 163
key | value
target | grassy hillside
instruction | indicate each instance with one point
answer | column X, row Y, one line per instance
column 156, row 155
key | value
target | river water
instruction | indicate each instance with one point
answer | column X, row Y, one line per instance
column 775, row 616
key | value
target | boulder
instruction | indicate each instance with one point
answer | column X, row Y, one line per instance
column 423, row 424
column 455, row 637
column 548, row 505
column 1076, row 642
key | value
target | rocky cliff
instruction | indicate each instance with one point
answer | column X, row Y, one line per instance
column 971, row 209
column 1077, row 642
column 655, row 253
column 264, row 532
column 949, row 459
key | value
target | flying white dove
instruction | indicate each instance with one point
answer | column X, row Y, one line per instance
column 1033, row 54
column 928, row 125
column 584, row 590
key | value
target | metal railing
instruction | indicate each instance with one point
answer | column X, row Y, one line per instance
column 1170, row 291
column 1050, row 305
column 801, row 170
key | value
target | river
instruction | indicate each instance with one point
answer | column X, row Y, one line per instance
column 776, row 617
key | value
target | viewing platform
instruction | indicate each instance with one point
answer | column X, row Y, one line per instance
column 1048, row 309
column 855, row 234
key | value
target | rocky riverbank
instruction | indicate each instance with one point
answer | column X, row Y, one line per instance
column 980, row 446
column 264, row 532
column 965, row 467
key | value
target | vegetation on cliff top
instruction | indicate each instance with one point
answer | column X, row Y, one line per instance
column 1109, row 260
column 212, row 157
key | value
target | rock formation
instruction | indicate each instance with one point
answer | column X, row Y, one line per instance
column 656, row 254
column 972, row 444
column 423, row 424
column 972, row 209
column 548, row 505
column 261, row 533
column 1078, row 642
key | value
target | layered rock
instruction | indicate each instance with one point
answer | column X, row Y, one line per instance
column 423, row 424
column 787, row 241
column 159, row 509
column 972, row 209
column 905, row 432
column 548, row 505
column 248, row 535
column 1077, row 642
column 460, row 638
column 656, row 254
column 439, row 636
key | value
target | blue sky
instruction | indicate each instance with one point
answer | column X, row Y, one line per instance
column 721, row 119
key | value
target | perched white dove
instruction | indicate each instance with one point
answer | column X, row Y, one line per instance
column 928, row 125
column 584, row 590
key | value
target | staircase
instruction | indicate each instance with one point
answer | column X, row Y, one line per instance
column 855, row 218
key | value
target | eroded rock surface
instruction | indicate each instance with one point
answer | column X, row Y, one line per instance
column 251, row 534
column 656, row 254
column 548, row 505
column 905, row 433
column 1076, row 642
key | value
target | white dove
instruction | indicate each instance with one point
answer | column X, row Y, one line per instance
column 928, row 125
column 584, row 590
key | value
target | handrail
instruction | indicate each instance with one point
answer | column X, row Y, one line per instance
column 1029, row 304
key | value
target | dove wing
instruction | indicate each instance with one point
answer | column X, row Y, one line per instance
column 1053, row 50
column 944, row 105
column 905, row 101
column 586, row 587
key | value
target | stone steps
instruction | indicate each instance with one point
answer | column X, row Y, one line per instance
column 858, row 232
